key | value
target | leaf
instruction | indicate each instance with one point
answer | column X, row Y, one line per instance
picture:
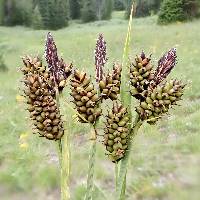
column 126, row 100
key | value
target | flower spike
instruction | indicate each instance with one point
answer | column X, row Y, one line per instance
column 40, row 98
column 59, row 69
column 100, row 57
column 166, row 63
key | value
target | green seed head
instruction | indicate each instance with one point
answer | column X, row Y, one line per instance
column 116, row 131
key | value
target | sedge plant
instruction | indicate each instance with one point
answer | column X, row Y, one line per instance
column 42, row 88
column 137, row 78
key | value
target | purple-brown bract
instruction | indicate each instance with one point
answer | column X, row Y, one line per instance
column 59, row 69
column 166, row 63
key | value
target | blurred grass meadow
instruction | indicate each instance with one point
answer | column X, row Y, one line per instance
column 165, row 162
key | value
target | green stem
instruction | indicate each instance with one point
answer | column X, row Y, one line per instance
column 59, row 141
column 90, row 178
column 59, row 150
column 124, row 163
column 126, row 100
column 116, row 175
column 64, row 159
column 123, row 192
column 65, row 168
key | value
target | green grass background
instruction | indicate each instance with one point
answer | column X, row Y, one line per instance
column 165, row 162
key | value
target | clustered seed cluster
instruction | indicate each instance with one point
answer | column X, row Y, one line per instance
column 155, row 96
column 85, row 97
column 140, row 76
column 160, row 100
column 110, row 84
column 40, row 97
column 116, row 132
column 116, row 128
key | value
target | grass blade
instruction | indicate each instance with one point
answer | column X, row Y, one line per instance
column 90, row 178
column 116, row 175
column 125, row 86
column 126, row 100
column 124, row 163
column 65, row 168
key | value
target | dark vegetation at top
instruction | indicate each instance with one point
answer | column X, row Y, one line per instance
column 178, row 10
column 55, row 14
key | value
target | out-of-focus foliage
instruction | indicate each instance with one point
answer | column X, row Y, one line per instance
column 103, row 9
column 96, row 10
column 178, row 10
column 15, row 12
column 75, row 9
column 147, row 7
column 192, row 8
column 3, row 66
column 37, row 19
column 88, row 11
column 107, row 9
column 54, row 13
column 127, row 8
column 1, row 11
column 47, row 14
column 143, row 7
column 119, row 5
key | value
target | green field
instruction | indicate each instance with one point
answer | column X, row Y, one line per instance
column 165, row 159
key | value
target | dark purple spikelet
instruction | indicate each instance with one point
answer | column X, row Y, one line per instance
column 59, row 69
column 51, row 53
column 143, row 55
column 166, row 63
column 100, row 57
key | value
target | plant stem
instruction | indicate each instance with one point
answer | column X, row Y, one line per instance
column 126, row 100
column 124, row 163
column 65, row 168
column 123, row 192
column 59, row 144
column 64, row 159
column 116, row 175
column 90, row 178
column 59, row 149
